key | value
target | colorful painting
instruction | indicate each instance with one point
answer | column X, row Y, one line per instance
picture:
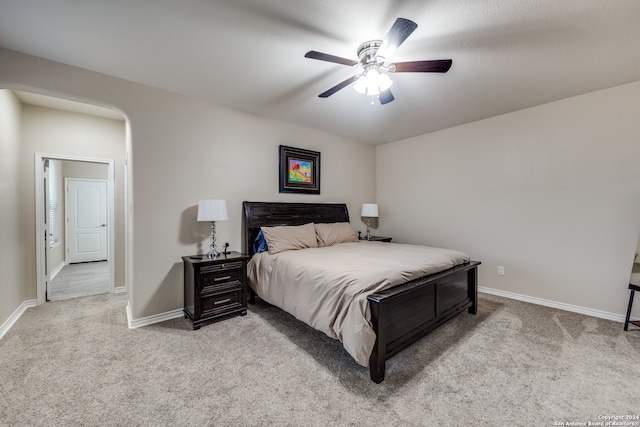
column 299, row 170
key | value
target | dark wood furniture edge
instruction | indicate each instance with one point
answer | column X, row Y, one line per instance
column 260, row 214
column 627, row 321
column 266, row 214
column 376, row 239
column 388, row 345
column 193, row 263
column 405, row 287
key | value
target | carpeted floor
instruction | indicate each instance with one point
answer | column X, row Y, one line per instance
column 75, row 362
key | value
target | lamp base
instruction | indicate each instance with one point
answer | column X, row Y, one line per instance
column 213, row 252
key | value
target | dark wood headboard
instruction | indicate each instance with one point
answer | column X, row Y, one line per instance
column 265, row 214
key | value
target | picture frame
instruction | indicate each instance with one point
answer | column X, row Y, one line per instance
column 299, row 170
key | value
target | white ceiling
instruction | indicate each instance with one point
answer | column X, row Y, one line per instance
column 249, row 54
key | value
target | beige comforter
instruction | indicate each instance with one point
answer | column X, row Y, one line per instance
column 327, row 287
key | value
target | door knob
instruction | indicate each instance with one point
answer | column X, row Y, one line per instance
column 103, row 225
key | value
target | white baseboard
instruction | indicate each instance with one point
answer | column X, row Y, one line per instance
column 133, row 324
column 15, row 316
column 150, row 320
column 119, row 290
column 55, row 272
column 553, row 304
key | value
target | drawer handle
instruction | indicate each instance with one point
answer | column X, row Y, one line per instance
column 221, row 301
column 217, row 279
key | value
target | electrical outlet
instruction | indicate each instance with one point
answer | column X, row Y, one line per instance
column 501, row 270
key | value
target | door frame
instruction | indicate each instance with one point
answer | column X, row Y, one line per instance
column 41, row 274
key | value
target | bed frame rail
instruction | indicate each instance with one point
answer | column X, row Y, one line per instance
column 402, row 315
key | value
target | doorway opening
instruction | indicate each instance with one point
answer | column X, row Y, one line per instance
column 75, row 223
column 79, row 280
column 47, row 124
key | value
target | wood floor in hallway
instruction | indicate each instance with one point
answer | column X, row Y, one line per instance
column 79, row 280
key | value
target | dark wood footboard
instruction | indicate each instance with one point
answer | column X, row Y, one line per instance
column 403, row 314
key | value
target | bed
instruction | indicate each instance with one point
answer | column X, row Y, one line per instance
column 398, row 314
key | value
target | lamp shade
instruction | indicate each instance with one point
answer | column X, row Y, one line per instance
column 369, row 210
column 212, row 210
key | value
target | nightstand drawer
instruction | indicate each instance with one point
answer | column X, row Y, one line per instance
column 220, row 267
column 222, row 287
column 221, row 277
column 220, row 303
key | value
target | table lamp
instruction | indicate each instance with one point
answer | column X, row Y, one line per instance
column 212, row 210
column 369, row 210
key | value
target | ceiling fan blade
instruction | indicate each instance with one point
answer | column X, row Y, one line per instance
column 398, row 33
column 329, row 58
column 386, row 97
column 432, row 66
column 339, row 86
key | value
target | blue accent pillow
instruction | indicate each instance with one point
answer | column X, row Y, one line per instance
column 259, row 244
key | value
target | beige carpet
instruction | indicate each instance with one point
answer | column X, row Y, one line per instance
column 75, row 363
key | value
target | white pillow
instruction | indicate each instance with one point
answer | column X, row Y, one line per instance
column 289, row 237
column 334, row 233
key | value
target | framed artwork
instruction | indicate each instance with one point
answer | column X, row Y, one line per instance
column 299, row 170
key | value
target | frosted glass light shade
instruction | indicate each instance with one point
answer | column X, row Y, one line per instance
column 373, row 90
column 361, row 85
column 384, row 82
column 212, row 210
column 369, row 210
column 372, row 82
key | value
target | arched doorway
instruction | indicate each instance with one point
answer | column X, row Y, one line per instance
column 78, row 133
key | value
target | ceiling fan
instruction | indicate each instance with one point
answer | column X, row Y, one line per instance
column 371, row 78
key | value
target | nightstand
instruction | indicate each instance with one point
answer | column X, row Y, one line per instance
column 214, row 288
column 378, row 239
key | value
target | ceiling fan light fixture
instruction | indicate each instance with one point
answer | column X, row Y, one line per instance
column 384, row 82
column 360, row 85
column 373, row 90
column 372, row 82
column 371, row 77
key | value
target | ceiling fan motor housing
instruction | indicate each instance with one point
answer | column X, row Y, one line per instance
column 367, row 52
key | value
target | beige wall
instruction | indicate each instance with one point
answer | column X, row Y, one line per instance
column 88, row 170
column 551, row 193
column 58, row 132
column 12, row 249
column 183, row 150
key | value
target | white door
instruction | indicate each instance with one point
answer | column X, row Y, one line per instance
column 86, row 207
